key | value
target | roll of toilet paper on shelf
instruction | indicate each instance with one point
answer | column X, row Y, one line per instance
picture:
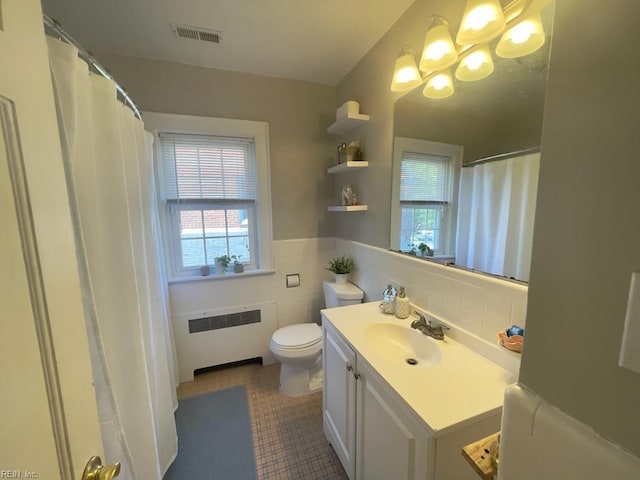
column 350, row 107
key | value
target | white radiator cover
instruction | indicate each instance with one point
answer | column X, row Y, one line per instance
column 538, row 441
column 224, row 345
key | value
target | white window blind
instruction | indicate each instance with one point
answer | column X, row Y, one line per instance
column 207, row 167
column 424, row 178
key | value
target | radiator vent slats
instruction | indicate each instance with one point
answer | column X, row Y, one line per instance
column 206, row 324
column 196, row 33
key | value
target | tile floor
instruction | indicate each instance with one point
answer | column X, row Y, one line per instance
column 288, row 440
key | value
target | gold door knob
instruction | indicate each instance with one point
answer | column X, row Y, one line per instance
column 96, row 471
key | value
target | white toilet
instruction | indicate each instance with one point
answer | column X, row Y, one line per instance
column 298, row 347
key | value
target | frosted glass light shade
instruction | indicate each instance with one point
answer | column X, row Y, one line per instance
column 522, row 39
column 439, row 86
column 475, row 66
column 406, row 75
column 439, row 51
column 483, row 20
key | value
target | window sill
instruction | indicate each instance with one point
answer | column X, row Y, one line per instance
column 226, row 276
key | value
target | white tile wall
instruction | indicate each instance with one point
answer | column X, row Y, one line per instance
column 479, row 304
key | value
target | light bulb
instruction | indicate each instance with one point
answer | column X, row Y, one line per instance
column 436, row 50
column 476, row 65
column 475, row 60
column 522, row 32
column 439, row 51
column 406, row 75
column 522, row 39
column 480, row 17
column 483, row 20
column 439, row 86
column 440, row 81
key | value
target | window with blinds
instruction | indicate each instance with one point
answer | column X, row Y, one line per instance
column 424, row 198
column 209, row 184
column 207, row 167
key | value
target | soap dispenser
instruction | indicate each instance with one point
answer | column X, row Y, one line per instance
column 388, row 300
column 402, row 304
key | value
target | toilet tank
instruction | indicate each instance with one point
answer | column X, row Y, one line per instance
column 341, row 294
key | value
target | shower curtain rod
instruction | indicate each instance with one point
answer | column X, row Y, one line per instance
column 502, row 156
column 88, row 57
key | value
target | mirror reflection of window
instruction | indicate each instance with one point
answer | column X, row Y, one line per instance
column 424, row 200
column 425, row 189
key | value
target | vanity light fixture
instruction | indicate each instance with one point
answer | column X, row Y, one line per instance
column 476, row 65
column 483, row 21
column 524, row 38
column 439, row 85
column 406, row 75
column 439, row 51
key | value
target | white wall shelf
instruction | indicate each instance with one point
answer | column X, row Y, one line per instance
column 343, row 167
column 348, row 208
column 347, row 123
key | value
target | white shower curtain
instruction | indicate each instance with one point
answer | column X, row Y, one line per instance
column 495, row 216
column 109, row 169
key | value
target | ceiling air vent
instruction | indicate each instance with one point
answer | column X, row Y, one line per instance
column 196, row 33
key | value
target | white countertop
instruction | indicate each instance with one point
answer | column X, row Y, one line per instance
column 462, row 387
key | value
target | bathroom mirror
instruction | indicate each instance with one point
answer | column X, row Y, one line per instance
column 500, row 114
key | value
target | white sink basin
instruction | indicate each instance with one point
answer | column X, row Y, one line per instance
column 402, row 344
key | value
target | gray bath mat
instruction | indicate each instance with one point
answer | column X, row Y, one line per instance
column 214, row 438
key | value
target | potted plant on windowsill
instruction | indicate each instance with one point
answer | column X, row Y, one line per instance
column 341, row 267
column 425, row 250
column 237, row 266
column 222, row 263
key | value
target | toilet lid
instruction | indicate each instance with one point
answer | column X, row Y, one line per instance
column 297, row 336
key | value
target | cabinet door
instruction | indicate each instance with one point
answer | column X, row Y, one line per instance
column 339, row 398
column 390, row 443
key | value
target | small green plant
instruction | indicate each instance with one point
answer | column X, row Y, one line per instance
column 425, row 250
column 236, row 259
column 340, row 265
column 224, row 260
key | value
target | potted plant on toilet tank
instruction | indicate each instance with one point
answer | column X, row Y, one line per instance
column 341, row 267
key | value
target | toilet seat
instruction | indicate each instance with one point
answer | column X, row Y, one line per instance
column 297, row 337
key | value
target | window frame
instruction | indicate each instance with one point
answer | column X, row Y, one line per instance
column 449, row 220
column 158, row 123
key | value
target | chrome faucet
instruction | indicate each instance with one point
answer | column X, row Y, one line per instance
column 426, row 327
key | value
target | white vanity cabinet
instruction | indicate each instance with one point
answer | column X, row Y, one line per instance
column 339, row 398
column 380, row 431
column 373, row 434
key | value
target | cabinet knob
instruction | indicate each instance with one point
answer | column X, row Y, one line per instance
column 356, row 375
column 349, row 367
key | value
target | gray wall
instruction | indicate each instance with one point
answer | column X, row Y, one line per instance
column 298, row 114
column 587, row 233
column 587, row 230
column 480, row 136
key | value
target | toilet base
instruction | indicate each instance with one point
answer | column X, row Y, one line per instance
column 298, row 380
